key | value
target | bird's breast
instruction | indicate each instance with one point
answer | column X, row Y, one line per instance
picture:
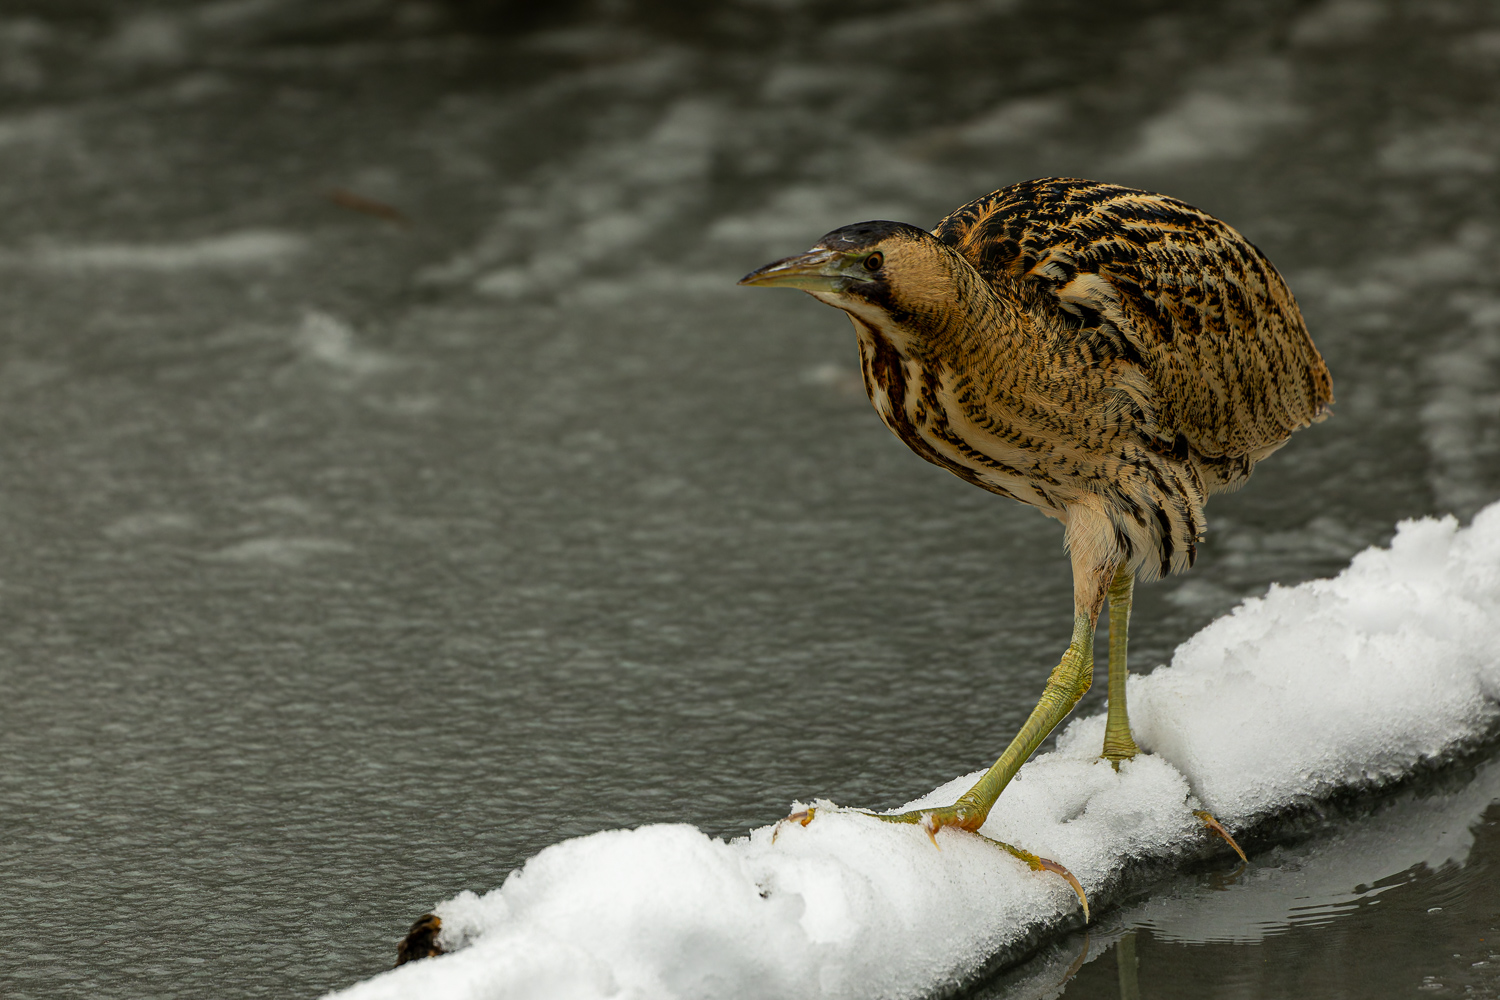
column 918, row 402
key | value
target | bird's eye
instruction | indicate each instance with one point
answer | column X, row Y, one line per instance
column 874, row 261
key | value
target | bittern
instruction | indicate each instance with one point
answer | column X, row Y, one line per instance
column 1108, row 356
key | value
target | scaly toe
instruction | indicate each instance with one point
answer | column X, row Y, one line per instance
column 960, row 815
column 1217, row 827
column 1037, row 864
column 802, row 817
column 966, row 817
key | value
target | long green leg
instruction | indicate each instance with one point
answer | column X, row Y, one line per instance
column 1067, row 683
column 1118, row 745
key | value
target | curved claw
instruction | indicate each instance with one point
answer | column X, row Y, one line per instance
column 931, row 826
column 1217, row 827
column 964, row 817
column 1055, row 868
column 801, row 818
column 1037, row 863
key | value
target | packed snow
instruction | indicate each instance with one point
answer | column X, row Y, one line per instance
column 1311, row 690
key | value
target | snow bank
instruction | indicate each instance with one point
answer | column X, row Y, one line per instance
column 1331, row 685
column 1334, row 683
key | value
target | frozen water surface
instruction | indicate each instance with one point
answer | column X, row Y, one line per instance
column 395, row 484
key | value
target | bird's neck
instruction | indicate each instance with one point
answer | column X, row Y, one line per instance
column 963, row 317
column 979, row 316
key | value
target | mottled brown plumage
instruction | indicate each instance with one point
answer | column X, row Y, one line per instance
column 1132, row 356
column 1169, row 288
column 1109, row 356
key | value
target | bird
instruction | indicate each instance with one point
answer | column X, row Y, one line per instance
column 1109, row 356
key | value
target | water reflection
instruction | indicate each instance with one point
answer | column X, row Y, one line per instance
column 1402, row 898
column 1128, row 966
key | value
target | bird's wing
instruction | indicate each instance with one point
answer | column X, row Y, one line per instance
column 1197, row 307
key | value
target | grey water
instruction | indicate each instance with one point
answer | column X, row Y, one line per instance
column 1386, row 899
column 393, row 481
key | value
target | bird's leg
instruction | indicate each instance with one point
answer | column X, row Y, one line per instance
column 1067, row 683
column 1118, row 745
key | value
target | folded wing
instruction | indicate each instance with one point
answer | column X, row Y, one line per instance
column 1186, row 298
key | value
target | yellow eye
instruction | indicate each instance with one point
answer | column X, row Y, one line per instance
column 874, row 261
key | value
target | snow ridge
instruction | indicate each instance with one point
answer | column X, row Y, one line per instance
column 1324, row 688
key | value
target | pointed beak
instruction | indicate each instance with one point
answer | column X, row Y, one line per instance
column 818, row 270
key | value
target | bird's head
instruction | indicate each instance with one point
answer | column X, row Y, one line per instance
column 886, row 274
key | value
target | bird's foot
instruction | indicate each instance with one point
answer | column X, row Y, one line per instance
column 963, row 816
column 801, row 817
column 1118, row 746
column 966, row 816
column 1037, row 864
column 1217, row 827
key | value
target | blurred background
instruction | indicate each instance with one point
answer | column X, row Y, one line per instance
column 394, row 482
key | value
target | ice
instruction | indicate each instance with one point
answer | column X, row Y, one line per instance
column 281, row 551
column 1461, row 420
column 1225, row 117
column 249, row 247
column 1018, row 120
column 1311, row 690
column 612, row 200
column 332, row 342
column 1338, row 21
column 1441, row 149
